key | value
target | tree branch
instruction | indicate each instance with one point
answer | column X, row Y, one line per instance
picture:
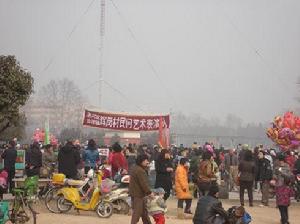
column 5, row 127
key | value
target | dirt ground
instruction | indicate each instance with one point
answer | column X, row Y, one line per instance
column 266, row 215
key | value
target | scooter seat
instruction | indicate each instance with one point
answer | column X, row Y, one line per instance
column 72, row 182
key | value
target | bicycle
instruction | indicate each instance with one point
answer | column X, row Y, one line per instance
column 22, row 208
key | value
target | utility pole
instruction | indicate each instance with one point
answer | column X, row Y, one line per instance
column 101, row 48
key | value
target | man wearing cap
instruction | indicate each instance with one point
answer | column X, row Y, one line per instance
column 139, row 189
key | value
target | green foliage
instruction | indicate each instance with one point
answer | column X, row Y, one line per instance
column 16, row 85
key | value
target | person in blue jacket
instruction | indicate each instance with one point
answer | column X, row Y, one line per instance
column 90, row 156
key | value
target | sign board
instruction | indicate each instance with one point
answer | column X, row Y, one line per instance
column 125, row 122
column 103, row 152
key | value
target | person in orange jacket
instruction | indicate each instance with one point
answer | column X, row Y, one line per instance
column 182, row 189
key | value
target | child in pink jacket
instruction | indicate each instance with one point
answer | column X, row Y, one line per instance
column 283, row 200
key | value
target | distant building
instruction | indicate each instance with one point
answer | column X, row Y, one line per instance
column 124, row 138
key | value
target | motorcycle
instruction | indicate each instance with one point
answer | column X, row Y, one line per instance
column 87, row 198
column 119, row 197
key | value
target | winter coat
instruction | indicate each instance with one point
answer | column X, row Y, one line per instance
column 156, row 205
column 283, row 195
column 34, row 157
column 118, row 161
column 139, row 184
column 247, row 171
column 9, row 156
column 33, row 162
column 68, row 158
column 181, row 183
column 264, row 170
column 281, row 173
column 227, row 161
column 90, row 157
column 207, row 208
column 131, row 158
column 163, row 178
column 206, row 172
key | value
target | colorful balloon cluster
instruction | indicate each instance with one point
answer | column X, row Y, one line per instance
column 285, row 131
column 39, row 136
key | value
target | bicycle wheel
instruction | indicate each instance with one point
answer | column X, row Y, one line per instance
column 51, row 200
column 25, row 214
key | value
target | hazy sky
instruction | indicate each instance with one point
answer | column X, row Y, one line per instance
column 211, row 57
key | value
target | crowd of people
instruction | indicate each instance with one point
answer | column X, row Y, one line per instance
column 185, row 172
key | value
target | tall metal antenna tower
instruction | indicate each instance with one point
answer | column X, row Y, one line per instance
column 101, row 47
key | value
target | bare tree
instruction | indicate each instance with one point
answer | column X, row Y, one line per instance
column 62, row 102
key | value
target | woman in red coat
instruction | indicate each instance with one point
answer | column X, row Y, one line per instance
column 118, row 160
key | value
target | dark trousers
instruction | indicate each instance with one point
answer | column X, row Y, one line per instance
column 284, row 214
column 188, row 204
column 249, row 186
column 11, row 175
column 167, row 194
column 139, row 210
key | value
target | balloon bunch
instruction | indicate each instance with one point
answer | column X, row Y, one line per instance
column 39, row 136
column 285, row 131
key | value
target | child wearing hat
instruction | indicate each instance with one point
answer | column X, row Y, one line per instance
column 156, row 206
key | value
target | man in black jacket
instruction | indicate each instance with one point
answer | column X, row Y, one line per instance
column 68, row 159
column 264, row 175
column 33, row 160
column 9, row 156
column 210, row 208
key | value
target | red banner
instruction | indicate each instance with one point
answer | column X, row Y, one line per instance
column 125, row 122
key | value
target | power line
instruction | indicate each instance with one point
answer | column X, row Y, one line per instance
column 56, row 54
column 147, row 58
column 114, row 89
column 121, row 94
column 255, row 49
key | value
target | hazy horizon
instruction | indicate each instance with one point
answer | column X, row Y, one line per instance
column 207, row 57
